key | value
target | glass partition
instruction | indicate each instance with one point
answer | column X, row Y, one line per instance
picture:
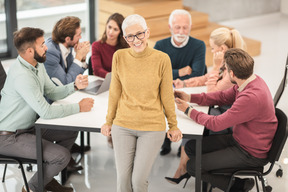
column 44, row 14
column 3, row 32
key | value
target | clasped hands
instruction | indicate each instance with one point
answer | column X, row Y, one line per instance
column 82, row 49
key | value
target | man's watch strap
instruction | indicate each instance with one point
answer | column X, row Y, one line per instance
column 75, row 87
column 187, row 110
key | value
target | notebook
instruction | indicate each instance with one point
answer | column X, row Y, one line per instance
column 98, row 86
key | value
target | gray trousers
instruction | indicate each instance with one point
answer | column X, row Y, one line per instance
column 220, row 152
column 135, row 153
column 55, row 156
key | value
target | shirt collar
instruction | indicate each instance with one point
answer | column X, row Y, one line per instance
column 28, row 65
column 251, row 78
column 65, row 52
column 180, row 46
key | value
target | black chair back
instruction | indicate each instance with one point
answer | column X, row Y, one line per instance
column 90, row 69
column 273, row 155
column 281, row 87
column 2, row 77
column 280, row 136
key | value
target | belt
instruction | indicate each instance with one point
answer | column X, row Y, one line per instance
column 6, row 133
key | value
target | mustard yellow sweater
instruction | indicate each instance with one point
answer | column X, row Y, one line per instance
column 141, row 91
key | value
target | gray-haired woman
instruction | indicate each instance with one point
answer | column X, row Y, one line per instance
column 140, row 91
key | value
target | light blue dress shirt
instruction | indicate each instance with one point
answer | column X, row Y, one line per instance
column 23, row 97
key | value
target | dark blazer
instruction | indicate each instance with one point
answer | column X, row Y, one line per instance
column 55, row 65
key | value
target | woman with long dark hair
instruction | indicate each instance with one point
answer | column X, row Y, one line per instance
column 103, row 50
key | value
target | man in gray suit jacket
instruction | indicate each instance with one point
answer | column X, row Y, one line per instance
column 61, row 65
column 65, row 59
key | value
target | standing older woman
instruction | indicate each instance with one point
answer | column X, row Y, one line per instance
column 111, row 40
column 140, row 91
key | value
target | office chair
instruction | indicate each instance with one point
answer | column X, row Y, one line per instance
column 4, row 159
column 276, row 99
column 282, row 85
column 2, row 77
column 273, row 156
column 90, row 69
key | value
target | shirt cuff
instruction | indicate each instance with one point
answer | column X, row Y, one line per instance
column 71, row 87
column 81, row 64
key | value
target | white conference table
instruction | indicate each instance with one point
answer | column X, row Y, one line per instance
column 93, row 120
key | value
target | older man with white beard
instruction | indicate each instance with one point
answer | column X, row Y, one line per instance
column 186, row 53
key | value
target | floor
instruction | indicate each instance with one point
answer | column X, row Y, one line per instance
column 99, row 173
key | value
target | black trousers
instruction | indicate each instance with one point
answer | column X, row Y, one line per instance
column 220, row 152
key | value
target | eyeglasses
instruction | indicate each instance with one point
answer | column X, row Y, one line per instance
column 140, row 35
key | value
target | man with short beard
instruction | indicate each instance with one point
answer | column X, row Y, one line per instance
column 23, row 101
column 186, row 53
column 62, row 64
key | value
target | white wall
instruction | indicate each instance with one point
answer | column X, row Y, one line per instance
column 223, row 10
column 284, row 6
column 47, row 17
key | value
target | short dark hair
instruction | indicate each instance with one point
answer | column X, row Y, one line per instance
column 65, row 27
column 240, row 62
column 26, row 37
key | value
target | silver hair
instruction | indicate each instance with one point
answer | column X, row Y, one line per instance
column 132, row 20
column 179, row 12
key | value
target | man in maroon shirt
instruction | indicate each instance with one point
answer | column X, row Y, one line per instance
column 252, row 117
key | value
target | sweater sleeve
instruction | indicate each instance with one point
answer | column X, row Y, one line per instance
column 226, row 97
column 166, row 94
column 220, row 85
column 239, row 113
column 115, row 91
column 96, row 62
column 198, row 63
column 196, row 81
column 29, row 90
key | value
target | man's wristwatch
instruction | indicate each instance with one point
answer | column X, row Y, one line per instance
column 187, row 110
column 75, row 87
